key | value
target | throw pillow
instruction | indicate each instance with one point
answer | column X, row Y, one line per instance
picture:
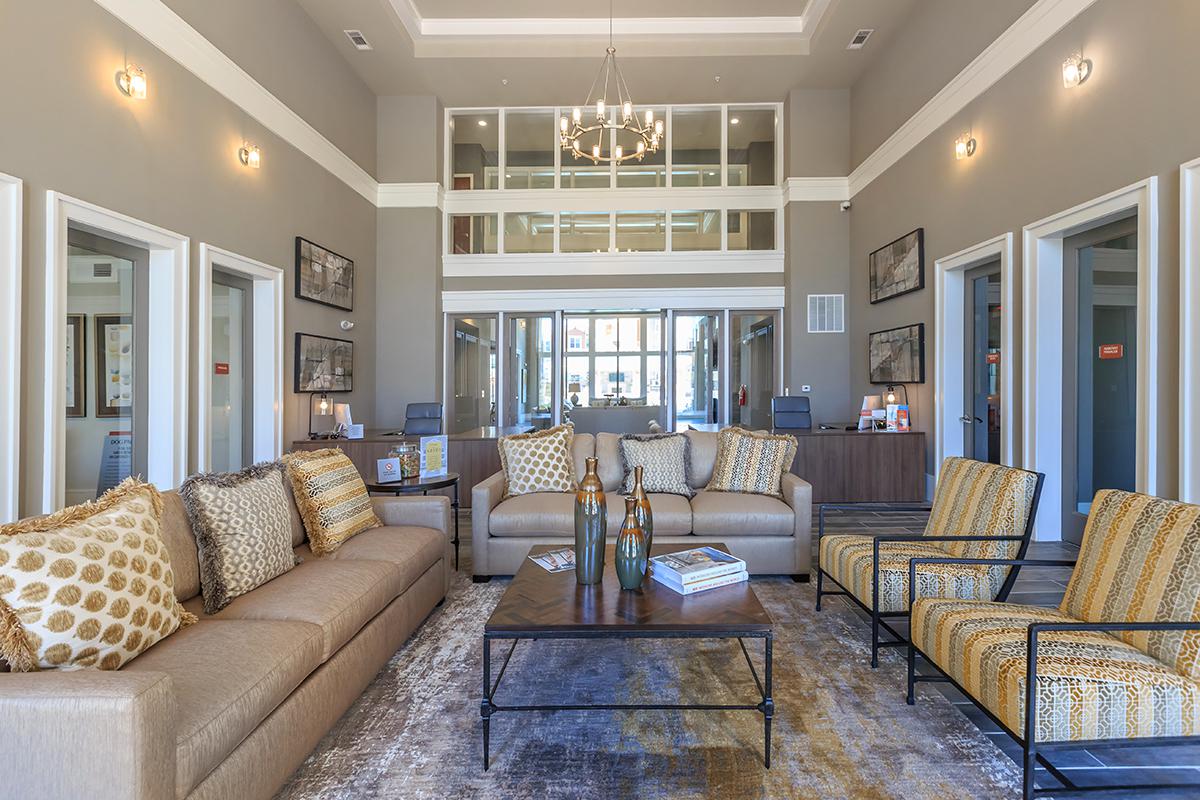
column 89, row 586
column 243, row 529
column 331, row 496
column 664, row 459
column 751, row 462
column 539, row 461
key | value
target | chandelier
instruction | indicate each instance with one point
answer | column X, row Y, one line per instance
column 575, row 133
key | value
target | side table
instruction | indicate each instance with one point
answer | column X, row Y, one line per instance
column 424, row 486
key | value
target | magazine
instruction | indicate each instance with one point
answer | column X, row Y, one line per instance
column 556, row 560
column 689, row 566
column 698, row 586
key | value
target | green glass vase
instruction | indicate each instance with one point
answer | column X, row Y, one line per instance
column 631, row 549
column 641, row 509
column 591, row 524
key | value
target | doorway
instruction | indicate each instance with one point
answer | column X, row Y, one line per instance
column 1100, row 372
column 752, row 360
column 982, row 350
column 231, row 429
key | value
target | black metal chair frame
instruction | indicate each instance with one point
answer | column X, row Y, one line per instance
column 879, row 618
column 1034, row 752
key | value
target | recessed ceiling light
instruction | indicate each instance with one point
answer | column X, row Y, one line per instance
column 483, row 123
column 734, row 120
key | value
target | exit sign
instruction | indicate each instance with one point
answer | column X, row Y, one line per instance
column 220, row 368
column 1111, row 351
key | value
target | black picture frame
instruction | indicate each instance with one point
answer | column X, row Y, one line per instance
column 77, row 336
column 915, row 337
column 882, row 286
column 306, row 381
column 308, row 253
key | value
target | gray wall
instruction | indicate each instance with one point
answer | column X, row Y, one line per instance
column 171, row 161
column 1043, row 149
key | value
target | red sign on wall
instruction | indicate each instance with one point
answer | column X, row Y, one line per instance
column 1109, row 351
column 220, row 368
column 993, row 358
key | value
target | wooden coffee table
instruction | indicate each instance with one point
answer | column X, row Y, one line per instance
column 543, row 605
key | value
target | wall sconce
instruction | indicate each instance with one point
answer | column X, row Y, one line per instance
column 250, row 155
column 964, row 146
column 132, row 82
column 1076, row 70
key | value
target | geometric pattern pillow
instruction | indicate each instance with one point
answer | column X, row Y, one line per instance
column 243, row 529
column 664, row 459
column 751, row 462
column 89, row 586
column 538, row 462
column 331, row 497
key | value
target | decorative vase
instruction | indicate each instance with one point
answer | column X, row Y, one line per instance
column 641, row 510
column 631, row 549
column 591, row 524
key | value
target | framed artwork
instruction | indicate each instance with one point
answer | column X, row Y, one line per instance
column 76, row 356
column 898, row 268
column 324, row 364
column 897, row 355
column 114, row 365
column 323, row 276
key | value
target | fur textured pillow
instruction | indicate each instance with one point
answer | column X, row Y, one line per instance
column 539, row 461
column 89, row 586
column 751, row 462
column 243, row 529
column 664, row 459
column 331, row 496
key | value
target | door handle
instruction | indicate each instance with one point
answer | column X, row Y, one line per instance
column 968, row 420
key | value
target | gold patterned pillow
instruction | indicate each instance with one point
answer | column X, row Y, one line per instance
column 331, row 496
column 751, row 462
column 89, row 586
column 539, row 461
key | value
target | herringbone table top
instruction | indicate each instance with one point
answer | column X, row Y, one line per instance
column 540, row 601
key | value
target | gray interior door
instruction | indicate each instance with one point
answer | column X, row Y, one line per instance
column 981, row 422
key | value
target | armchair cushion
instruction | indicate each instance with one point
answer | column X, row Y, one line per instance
column 1140, row 562
column 1091, row 685
column 729, row 514
column 848, row 560
column 974, row 498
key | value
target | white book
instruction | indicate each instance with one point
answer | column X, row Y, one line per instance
column 697, row 564
column 699, row 586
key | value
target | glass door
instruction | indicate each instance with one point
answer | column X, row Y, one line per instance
column 1100, row 414
column 981, row 423
column 752, row 361
column 231, row 438
column 473, row 349
column 529, row 382
column 697, row 369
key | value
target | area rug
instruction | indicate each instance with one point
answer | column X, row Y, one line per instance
column 842, row 730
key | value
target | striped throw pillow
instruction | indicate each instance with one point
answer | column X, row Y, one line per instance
column 751, row 462
column 331, row 496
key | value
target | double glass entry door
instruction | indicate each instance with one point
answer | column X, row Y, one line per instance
column 981, row 419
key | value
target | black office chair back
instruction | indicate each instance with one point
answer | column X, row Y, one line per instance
column 791, row 413
column 423, row 419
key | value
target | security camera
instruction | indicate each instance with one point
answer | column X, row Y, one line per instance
column 845, row 205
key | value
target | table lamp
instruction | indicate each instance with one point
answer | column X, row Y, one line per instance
column 574, row 388
column 318, row 407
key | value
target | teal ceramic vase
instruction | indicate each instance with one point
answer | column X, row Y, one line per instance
column 631, row 549
column 591, row 525
column 641, row 509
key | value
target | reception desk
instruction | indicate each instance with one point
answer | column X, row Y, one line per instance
column 857, row 467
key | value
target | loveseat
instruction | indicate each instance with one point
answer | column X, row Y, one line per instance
column 771, row 535
column 230, row 706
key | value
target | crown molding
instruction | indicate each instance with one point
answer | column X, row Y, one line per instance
column 1043, row 19
column 685, row 299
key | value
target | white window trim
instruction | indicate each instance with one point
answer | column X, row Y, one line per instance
column 695, row 262
column 1042, row 369
column 167, row 429
column 11, row 216
column 1189, row 321
column 950, row 342
column 267, row 379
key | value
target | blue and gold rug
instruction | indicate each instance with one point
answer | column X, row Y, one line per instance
column 842, row 730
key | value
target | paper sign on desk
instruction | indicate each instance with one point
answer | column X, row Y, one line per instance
column 433, row 456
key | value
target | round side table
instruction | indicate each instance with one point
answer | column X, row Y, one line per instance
column 424, row 486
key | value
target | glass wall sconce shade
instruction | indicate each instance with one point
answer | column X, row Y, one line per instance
column 250, row 155
column 1076, row 70
column 132, row 82
column 964, row 147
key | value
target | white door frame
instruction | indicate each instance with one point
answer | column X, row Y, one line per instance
column 267, row 365
column 950, row 293
column 11, row 221
column 167, row 389
column 1042, row 370
column 1189, row 339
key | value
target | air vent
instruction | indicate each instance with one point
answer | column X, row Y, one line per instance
column 102, row 271
column 358, row 40
column 826, row 313
column 860, row 38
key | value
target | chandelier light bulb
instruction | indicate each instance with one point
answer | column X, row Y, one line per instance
column 641, row 147
column 562, row 123
column 600, row 110
column 595, row 151
column 576, row 115
column 618, row 152
column 575, row 144
column 627, row 111
column 658, row 128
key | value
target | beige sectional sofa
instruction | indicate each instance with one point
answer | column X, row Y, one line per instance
column 773, row 536
column 230, row 706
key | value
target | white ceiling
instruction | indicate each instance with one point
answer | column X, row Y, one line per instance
column 678, row 64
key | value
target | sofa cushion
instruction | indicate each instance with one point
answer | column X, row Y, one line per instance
column 734, row 514
column 663, row 458
column 583, row 447
column 672, row 514
column 339, row 596
column 703, row 456
column 751, row 462
column 228, row 676
column 409, row 549
column 539, row 461
column 540, row 514
column 608, row 461
column 181, row 545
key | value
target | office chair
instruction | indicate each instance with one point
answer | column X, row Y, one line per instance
column 791, row 413
column 423, row 419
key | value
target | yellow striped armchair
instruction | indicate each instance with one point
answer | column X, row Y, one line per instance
column 1118, row 662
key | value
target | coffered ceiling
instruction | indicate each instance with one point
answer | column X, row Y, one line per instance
column 544, row 52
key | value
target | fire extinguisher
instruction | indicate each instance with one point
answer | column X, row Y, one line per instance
column 742, row 395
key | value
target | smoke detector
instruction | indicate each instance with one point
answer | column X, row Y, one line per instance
column 860, row 39
column 358, row 40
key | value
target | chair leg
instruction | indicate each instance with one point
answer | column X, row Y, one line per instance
column 912, row 673
column 1029, row 771
column 874, row 636
column 820, row 585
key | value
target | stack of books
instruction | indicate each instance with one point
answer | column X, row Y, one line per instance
column 698, row 569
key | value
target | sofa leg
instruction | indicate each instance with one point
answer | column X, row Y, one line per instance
column 802, row 578
column 480, row 578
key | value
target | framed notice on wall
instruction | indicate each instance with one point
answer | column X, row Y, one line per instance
column 114, row 365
